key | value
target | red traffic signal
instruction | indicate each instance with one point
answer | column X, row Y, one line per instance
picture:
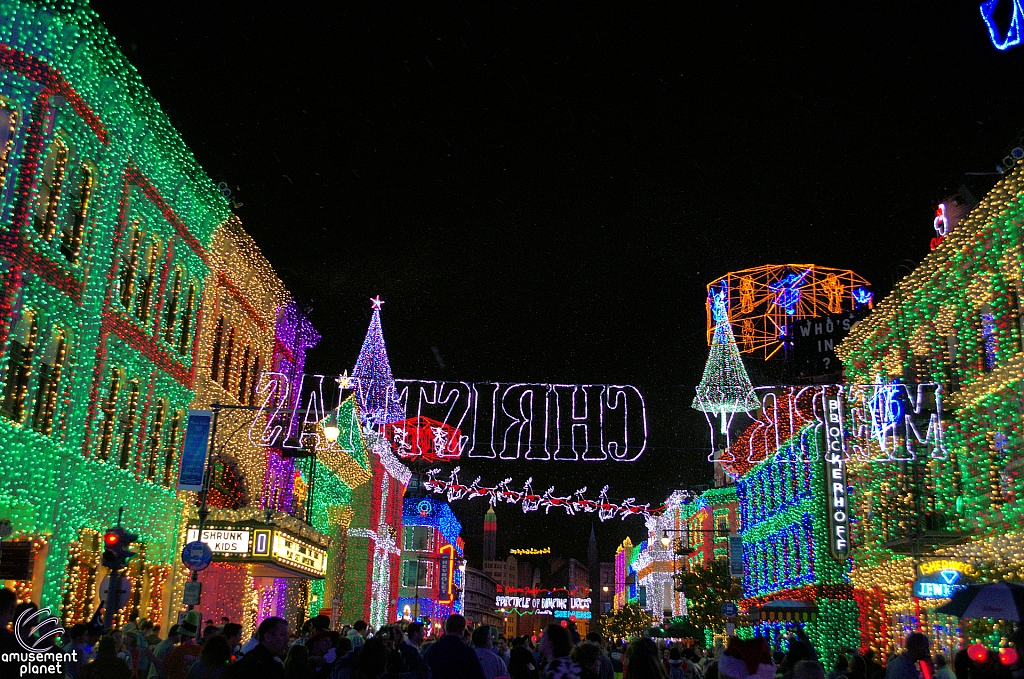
column 116, row 553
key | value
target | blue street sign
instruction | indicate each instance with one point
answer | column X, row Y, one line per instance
column 197, row 555
column 193, row 454
column 729, row 609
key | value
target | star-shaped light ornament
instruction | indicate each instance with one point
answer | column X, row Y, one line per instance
column 376, row 302
column 344, row 381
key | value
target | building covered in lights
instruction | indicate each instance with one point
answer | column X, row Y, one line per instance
column 106, row 221
column 432, row 564
column 942, row 505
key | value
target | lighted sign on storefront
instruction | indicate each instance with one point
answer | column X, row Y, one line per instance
column 299, row 555
column 223, row 541
column 545, row 605
column 270, row 550
column 940, row 579
column 835, row 478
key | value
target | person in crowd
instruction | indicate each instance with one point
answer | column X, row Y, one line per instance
column 642, row 661
column 154, row 638
column 616, row 658
column 962, row 664
column 605, row 670
column 942, row 669
column 208, row 632
column 107, row 665
column 522, row 664
column 491, row 663
column 262, row 661
column 858, row 668
column 678, row 666
column 357, row 635
column 904, row 665
column 130, row 651
column 501, row 647
column 808, row 669
column 841, row 667
column 874, row 669
column 158, row 663
column 798, row 652
column 587, row 655
column 185, row 654
column 409, row 650
column 556, row 647
column 296, row 664
column 77, row 643
column 373, row 660
column 232, row 631
column 449, row 657
column 321, row 653
column 213, row 659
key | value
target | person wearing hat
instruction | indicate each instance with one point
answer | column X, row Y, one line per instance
column 181, row 659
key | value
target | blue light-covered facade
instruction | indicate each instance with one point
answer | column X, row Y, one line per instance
column 431, row 577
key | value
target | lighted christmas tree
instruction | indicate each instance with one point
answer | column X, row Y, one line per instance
column 725, row 387
column 375, row 385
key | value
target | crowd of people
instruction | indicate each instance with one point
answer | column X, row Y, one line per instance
column 197, row 649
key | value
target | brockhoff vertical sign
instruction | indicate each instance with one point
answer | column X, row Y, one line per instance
column 835, row 477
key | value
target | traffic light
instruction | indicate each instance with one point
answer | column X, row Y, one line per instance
column 115, row 547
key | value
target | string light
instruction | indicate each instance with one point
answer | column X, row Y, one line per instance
column 530, row 501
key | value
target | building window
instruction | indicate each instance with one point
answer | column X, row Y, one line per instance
column 74, row 223
column 128, row 426
column 129, row 266
column 186, row 321
column 150, row 265
column 988, row 338
column 50, row 370
column 415, row 574
column 228, row 360
column 50, row 185
column 254, row 380
column 218, row 342
column 155, row 440
column 8, row 123
column 243, row 376
column 173, row 444
column 171, row 309
column 418, row 538
column 20, row 348
column 109, row 409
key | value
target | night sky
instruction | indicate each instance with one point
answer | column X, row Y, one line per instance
column 541, row 191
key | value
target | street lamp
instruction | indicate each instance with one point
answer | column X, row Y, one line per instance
column 331, row 429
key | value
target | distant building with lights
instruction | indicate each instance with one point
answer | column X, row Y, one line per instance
column 431, row 582
column 478, row 599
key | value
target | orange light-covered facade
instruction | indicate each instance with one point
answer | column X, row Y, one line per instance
column 760, row 309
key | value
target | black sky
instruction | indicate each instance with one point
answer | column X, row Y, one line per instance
column 541, row 191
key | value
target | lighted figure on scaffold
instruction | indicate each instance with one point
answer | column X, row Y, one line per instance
column 725, row 388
